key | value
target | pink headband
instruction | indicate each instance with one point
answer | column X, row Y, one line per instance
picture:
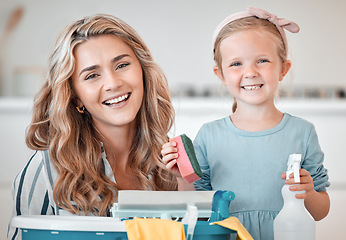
column 280, row 23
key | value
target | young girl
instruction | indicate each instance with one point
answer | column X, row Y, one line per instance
column 247, row 152
column 98, row 123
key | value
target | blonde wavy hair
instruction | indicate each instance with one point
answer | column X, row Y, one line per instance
column 74, row 144
column 253, row 23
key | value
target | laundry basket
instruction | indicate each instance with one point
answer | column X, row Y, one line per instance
column 95, row 228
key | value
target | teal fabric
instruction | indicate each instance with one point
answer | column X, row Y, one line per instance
column 251, row 163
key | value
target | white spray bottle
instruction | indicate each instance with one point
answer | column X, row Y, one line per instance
column 293, row 222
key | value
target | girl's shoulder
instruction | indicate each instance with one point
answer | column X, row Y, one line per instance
column 214, row 127
column 218, row 123
column 298, row 121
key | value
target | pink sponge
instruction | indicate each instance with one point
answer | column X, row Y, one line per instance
column 187, row 161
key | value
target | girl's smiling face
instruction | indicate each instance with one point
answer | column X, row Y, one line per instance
column 251, row 67
column 108, row 81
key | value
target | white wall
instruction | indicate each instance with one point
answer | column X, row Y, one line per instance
column 15, row 115
column 179, row 34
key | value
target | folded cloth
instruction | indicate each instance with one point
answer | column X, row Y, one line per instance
column 154, row 229
column 234, row 224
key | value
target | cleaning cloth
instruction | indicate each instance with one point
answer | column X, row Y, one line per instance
column 154, row 229
column 234, row 224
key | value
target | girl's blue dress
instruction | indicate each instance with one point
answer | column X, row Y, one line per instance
column 251, row 164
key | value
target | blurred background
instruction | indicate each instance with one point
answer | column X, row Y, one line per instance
column 179, row 35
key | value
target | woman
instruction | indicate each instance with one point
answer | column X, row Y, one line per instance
column 98, row 123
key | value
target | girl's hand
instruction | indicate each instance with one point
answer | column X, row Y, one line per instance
column 306, row 184
column 317, row 203
column 169, row 157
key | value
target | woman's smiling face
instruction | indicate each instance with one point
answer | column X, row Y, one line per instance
column 108, row 81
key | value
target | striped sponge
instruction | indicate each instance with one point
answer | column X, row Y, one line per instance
column 187, row 161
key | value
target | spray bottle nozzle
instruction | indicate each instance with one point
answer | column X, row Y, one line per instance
column 293, row 165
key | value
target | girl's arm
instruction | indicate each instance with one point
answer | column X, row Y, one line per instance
column 169, row 158
column 317, row 203
column 184, row 185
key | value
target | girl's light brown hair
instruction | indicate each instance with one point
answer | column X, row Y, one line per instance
column 247, row 23
column 74, row 144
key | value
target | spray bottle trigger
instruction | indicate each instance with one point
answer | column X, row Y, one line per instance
column 293, row 165
column 296, row 167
